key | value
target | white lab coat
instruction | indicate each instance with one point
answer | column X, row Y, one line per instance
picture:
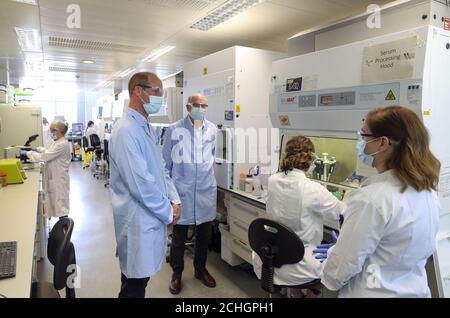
column 385, row 241
column 101, row 129
column 47, row 136
column 57, row 160
column 90, row 131
column 301, row 204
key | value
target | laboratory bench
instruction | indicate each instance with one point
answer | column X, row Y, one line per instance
column 21, row 220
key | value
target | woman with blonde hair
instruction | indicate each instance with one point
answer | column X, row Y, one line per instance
column 301, row 204
column 391, row 222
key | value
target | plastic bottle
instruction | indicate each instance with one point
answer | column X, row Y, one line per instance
column 256, row 186
column 3, row 180
column 249, row 184
column 242, row 177
column 256, row 182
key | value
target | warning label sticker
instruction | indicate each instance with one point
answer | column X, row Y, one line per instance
column 284, row 120
column 390, row 95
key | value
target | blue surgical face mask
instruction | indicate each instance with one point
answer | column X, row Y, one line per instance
column 198, row 113
column 154, row 104
column 365, row 158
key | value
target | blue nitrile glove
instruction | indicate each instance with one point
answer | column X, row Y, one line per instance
column 23, row 155
column 322, row 249
column 34, row 149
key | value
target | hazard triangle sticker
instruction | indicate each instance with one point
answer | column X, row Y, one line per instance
column 390, row 95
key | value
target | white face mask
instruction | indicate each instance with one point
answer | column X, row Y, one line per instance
column 154, row 104
column 198, row 113
column 365, row 158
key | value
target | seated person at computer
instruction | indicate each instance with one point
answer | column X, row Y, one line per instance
column 57, row 160
column 301, row 204
column 90, row 130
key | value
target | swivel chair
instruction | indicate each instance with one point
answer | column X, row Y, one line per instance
column 98, row 151
column 61, row 254
column 276, row 245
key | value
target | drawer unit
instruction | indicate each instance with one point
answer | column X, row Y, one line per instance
column 239, row 229
column 242, row 249
column 244, row 211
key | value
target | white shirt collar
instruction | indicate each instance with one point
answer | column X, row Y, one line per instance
column 192, row 124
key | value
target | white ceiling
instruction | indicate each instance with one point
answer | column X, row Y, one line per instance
column 133, row 28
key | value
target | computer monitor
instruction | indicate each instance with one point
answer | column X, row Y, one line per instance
column 77, row 129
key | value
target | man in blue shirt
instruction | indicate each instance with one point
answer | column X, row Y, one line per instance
column 189, row 151
column 144, row 198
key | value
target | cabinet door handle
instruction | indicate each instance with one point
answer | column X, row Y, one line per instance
column 244, row 208
column 240, row 244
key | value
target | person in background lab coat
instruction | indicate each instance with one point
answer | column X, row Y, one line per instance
column 194, row 178
column 301, row 204
column 47, row 136
column 144, row 198
column 101, row 129
column 392, row 221
column 90, row 130
column 57, row 160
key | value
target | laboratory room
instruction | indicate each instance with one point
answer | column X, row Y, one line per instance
column 223, row 149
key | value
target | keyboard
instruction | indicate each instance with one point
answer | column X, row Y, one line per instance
column 8, row 259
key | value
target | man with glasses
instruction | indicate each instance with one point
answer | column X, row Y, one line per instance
column 144, row 198
column 189, row 151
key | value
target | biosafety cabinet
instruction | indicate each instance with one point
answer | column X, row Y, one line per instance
column 18, row 124
column 236, row 82
column 326, row 94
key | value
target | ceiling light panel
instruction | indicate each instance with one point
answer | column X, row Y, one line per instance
column 29, row 39
column 224, row 12
column 124, row 73
column 155, row 54
column 32, row 2
column 187, row 4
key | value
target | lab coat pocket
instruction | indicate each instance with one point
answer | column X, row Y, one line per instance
column 50, row 186
column 177, row 171
column 150, row 223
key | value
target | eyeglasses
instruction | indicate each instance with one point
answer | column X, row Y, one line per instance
column 361, row 135
column 157, row 90
column 199, row 105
